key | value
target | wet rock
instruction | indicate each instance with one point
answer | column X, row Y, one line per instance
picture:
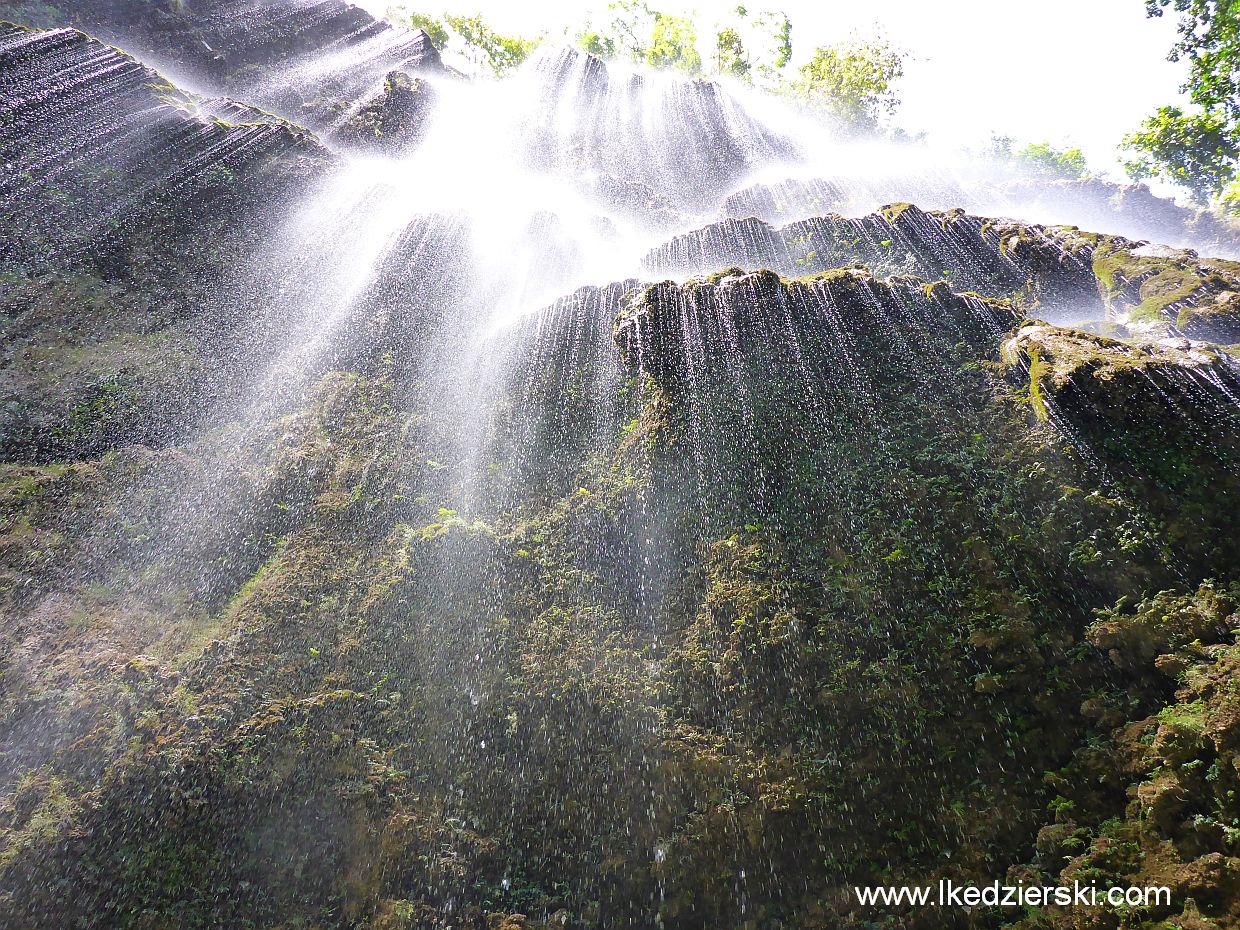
column 267, row 53
column 393, row 121
column 1165, row 625
column 1128, row 209
column 675, row 331
column 141, row 145
column 1156, row 286
column 994, row 257
column 715, row 145
column 785, row 201
column 1123, row 395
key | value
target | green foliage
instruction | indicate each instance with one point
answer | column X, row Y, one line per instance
column 782, row 27
column 673, row 44
column 730, row 56
column 434, row 28
column 754, row 46
column 853, row 82
column 627, row 34
column 1229, row 199
column 1197, row 149
column 488, row 48
column 1210, row 41
column 597, row 44
column 1043, row 159
column 746, row 45
column 1040, row 159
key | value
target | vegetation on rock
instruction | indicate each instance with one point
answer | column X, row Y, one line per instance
column 692, row 603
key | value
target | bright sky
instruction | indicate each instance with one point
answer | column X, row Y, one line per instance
column 1083, row 72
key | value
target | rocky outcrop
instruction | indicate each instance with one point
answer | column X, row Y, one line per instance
column 392, row 121
column 1173, row 395
column 1152, row 803
column 305, row 61
column 1146, row 284
column 126, row 206
column 785, row 201
column 715, row 144
column 676, row 332
column 99, row 147
column 685, row 603
column 728, row 493
column 994, row 257
column 1130, row 210
column 1051, row 269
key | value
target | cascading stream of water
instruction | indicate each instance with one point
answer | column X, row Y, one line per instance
column 597, row 565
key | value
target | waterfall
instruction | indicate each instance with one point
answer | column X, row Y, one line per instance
column 589, row 498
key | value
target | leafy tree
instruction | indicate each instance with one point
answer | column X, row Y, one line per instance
column 745, row 46
column 853, row 82
column 673, row 44
column 1044, row 160
column 1040, row 159
column 1197, row 151
column 629, row 32
column 1199, row 148
column 488, row 48
column 1000, row 148
column 778, row 28
column 1229, row 199
column 754, row 47
column 597, row 44
column 1209, row 33
column 730, row 55
column 434, row 28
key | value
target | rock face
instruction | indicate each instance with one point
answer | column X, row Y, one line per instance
column 971, row 253
column 392, row 121
column 713, row 146
column 1150, row 284
column 673, row 332
column 1133, row 284
column 1121, row 394
column 1129, row 209
column 685, row 603
column 308, row 61
column 126, row 204
column 135, row 142
column 213, row 40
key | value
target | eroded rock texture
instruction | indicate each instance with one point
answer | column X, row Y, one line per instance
column 686, row 603
column 310, row 60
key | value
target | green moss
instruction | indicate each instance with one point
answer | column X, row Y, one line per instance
column 1038, row 370
column 690, row 620
column 254, row 583
column 37, row 810
column 1165, row 289
column 1107, row 267
column 1186, row 719
column 1068, row 355
column 893, row 211
column 1151, row 289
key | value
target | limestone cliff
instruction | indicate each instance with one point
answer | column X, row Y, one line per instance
column 840, row 559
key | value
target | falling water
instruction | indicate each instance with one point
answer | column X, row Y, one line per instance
column 514, row 543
